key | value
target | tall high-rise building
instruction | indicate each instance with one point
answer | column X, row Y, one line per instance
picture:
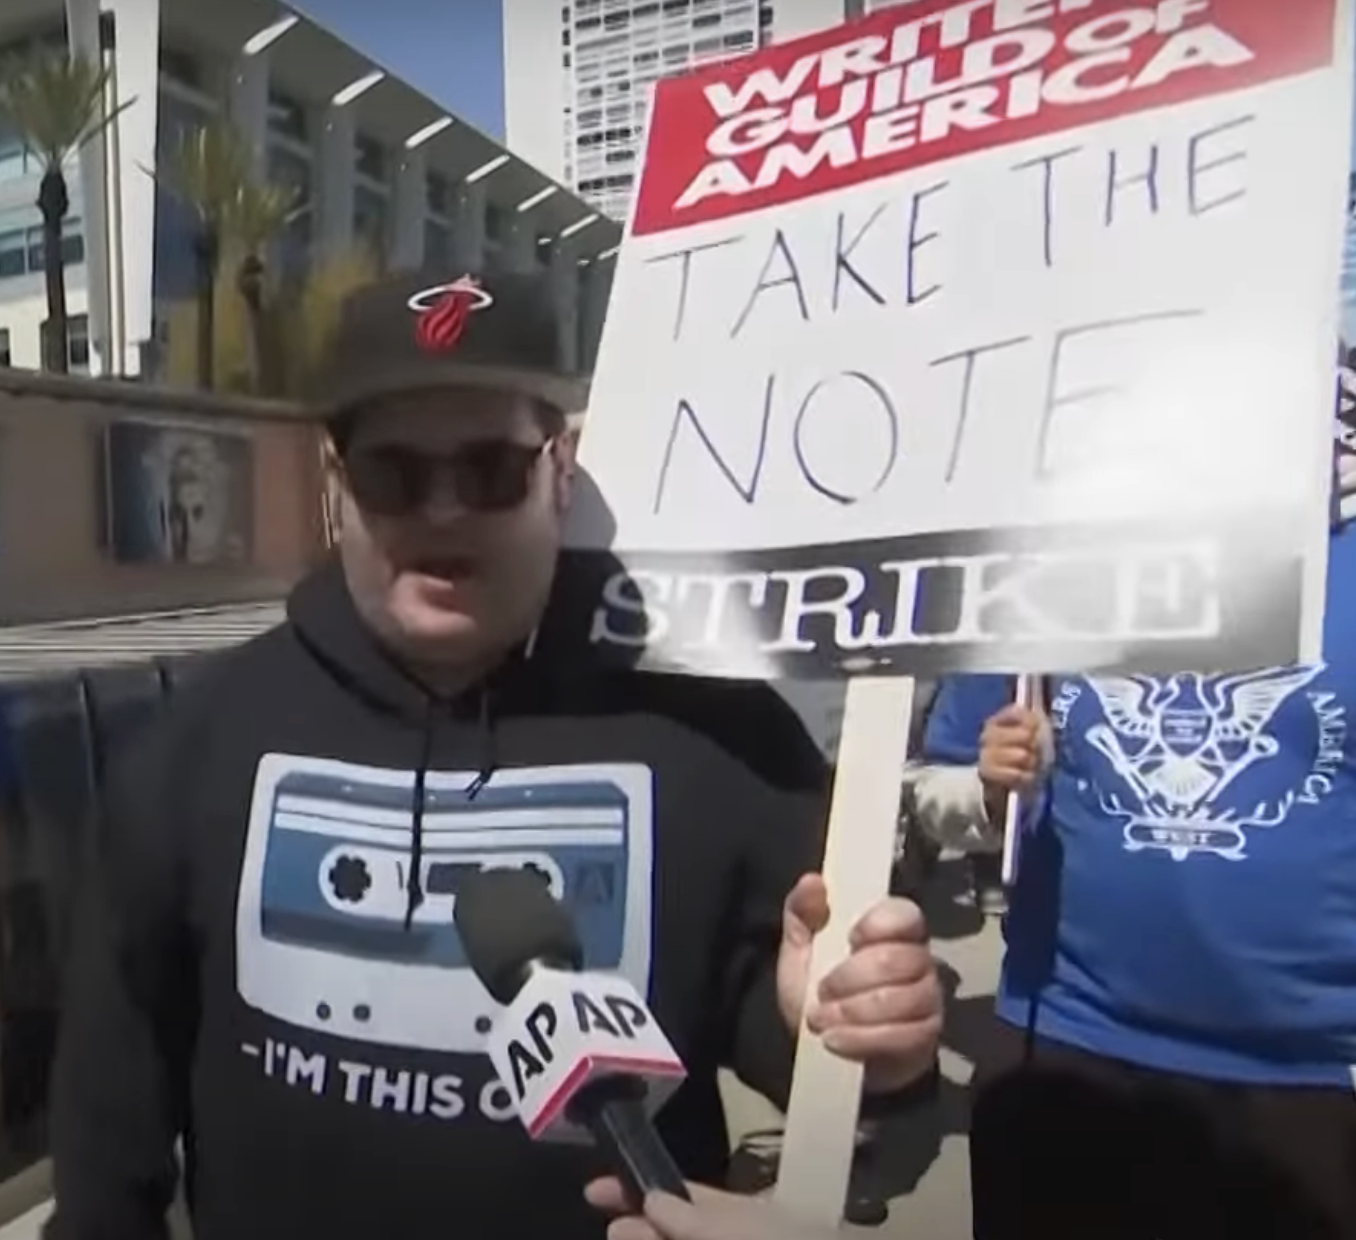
column 577, row 86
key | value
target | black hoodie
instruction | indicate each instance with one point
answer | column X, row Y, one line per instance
column 255, row 973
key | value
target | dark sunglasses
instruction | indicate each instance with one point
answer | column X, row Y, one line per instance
column 492, row 475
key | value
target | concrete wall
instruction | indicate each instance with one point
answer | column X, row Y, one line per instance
column 54, row 559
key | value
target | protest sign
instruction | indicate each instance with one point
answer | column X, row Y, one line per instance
column 992, row 335
column 981, row 335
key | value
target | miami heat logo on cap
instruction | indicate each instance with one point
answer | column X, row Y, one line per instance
column 441, row 312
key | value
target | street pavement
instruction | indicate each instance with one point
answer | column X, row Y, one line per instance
column 923, row 1158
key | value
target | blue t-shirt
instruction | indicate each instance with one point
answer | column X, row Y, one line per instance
column 1186, row 894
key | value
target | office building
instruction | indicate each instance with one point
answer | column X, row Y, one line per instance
column 373, row 162
column 577, row 80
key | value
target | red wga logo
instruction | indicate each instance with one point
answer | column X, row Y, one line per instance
column 442, row 312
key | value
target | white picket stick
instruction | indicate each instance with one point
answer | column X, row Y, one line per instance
column 1012, row 806
column 821, row 1122
column 27, row 1226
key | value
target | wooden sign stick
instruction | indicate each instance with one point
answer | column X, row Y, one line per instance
column 821, row 1121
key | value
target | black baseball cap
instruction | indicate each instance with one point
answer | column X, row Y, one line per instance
column 434, row 329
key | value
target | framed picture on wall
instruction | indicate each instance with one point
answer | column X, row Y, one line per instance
column 178, row 494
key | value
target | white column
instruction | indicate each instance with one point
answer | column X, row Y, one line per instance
column 249, row 108
column 520, row 246
column 563, row 279
column 596, row 286
column 131, row 139
column 336, row 181
column 468, row 228
column 409, row 204
column 82, row 23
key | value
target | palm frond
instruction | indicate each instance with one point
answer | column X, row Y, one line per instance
column 206, row 172
column 258, row 213
column 55, row 103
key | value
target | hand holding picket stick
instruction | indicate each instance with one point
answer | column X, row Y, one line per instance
column 1012, row 806
column 1014, row 752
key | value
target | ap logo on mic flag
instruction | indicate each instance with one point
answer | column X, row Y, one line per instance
column 567, row 1030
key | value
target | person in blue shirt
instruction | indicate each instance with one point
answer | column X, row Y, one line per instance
column 1176, row 1057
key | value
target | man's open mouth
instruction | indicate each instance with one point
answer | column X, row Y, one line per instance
column 446, row 568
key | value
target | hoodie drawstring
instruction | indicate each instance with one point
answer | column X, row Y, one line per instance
column 489, row 749
column 489, row 761
column 414, row 889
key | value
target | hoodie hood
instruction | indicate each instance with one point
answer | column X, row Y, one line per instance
column 322, row 613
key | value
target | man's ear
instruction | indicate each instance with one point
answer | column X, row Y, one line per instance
column 332, row 484
column 564, row 463
column 329, row 458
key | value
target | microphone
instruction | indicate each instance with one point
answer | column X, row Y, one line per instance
column 579, row 1052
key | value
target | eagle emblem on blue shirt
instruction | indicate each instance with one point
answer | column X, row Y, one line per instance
column 1180, row 744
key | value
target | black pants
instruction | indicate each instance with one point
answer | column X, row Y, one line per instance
column 1070, row 1146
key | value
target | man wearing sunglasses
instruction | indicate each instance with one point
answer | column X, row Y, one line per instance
column 268, row 968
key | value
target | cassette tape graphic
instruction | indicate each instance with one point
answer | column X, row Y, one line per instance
column 321, row 932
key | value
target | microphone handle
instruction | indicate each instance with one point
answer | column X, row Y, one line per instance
column 613, row 1110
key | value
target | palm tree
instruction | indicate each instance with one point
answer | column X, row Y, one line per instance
column 298, row 320
column 313, row 311
column 206, row 173
column 257, row 214
column 56, row 104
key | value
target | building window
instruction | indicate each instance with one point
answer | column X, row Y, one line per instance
column 181, row 68
column 287, row 117
column 292, row 171
column 369, row 220
column 48, row 37
column 496, row 222
column 13, row 253
column 439, row 193
column 72, row 242
column 77, row 343
column 178, row 122
column 370, row 159
column 21, row 249
column 16, row 160
column 437, row 244
column 4, row 347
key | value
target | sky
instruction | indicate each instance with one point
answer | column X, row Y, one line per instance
column 452, row 50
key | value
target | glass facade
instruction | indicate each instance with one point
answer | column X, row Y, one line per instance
column 16, row 161
column 175, row 221
column 23, row 252
column 370, row 222
column 294, row 170
column 190, row 85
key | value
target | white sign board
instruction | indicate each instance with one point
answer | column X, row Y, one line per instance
column 976, row 336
